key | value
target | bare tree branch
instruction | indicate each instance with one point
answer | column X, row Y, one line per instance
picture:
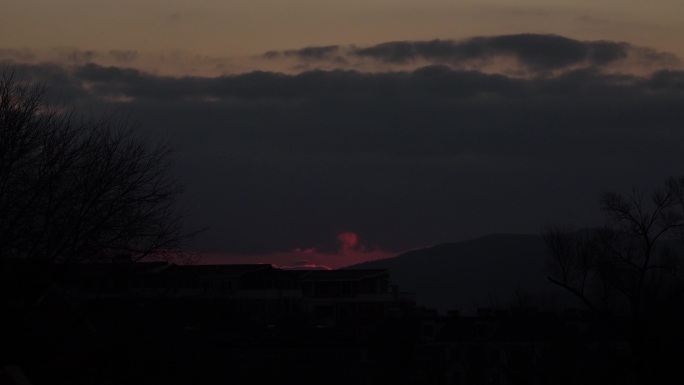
column 634, row 275
column 75, row 189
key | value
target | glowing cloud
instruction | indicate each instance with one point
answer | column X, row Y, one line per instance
column 350, row 252
column 348, row 240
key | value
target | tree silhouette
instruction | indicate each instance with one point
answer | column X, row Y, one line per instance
column 73, row 190
column 629, row 272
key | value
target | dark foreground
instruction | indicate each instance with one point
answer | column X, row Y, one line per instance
column 255, row 324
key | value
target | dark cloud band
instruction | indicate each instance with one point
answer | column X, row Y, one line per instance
column 535, row 52
column 274, row 161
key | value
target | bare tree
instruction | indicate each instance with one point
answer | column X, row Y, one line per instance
column 75, row 189
column 72, row 190
column 629, row 272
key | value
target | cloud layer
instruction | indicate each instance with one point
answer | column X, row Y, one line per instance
column 532, row 53
column 538, row 52
column 521, row 55
column 277, row 161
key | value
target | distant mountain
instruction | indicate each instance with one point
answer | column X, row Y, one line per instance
column 495, row 269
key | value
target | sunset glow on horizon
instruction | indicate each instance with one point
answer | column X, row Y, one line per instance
column 327, row 134
column 350, row 252
column 349, row 192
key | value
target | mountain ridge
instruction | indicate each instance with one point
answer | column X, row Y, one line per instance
column 488, row 271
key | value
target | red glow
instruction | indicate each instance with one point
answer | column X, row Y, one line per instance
column 348, row 239
column 350, row 252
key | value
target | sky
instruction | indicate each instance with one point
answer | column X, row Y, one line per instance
column 328, row 133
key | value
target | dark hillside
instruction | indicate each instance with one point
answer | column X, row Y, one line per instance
column 487, row 271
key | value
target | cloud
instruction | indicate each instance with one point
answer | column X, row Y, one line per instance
column 322, row 52
column 522, row 55
column 274, row 161
column 76, row 56
column 531, row 52
column 124, row 56
column 350, row 252
column 18, row 55
column 175, row 63
column 348, row 240
column 424, row 113
column 537, row 52
column 667, row 80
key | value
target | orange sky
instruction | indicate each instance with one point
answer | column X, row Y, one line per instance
column 181, row 37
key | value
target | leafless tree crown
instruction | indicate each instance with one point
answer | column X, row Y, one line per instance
column 631, row 266
column 74, row 189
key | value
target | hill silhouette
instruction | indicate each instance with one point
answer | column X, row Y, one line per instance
column 494, row 270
